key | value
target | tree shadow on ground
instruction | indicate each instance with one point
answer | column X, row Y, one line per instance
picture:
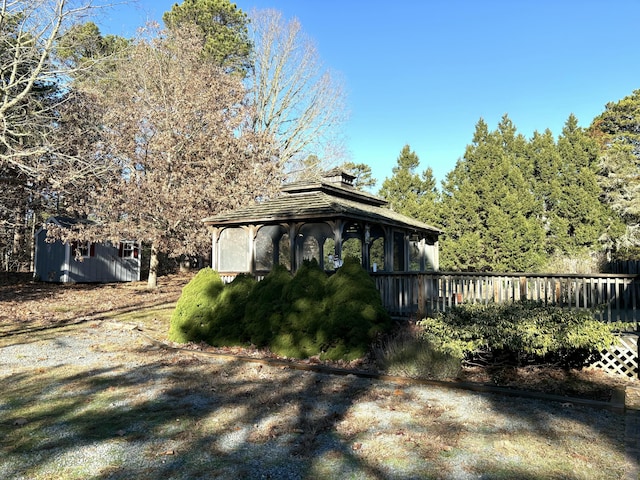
column 155, row 414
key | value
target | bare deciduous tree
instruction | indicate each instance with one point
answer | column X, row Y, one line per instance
column 184, row 150
column 31, row 79
column 297, row 101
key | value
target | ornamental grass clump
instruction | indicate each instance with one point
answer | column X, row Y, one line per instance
column 410, row 354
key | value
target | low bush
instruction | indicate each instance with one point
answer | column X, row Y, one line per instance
column 355, row 313
column 227, row 323
column 519, row 333
column 266, row 305
column 301, row 331
column 193, row 317
column 305, row 315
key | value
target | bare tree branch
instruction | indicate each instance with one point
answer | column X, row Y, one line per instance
column 31, row 78
column 296, row 99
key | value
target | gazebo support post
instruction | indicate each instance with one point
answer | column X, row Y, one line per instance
column 293, row 247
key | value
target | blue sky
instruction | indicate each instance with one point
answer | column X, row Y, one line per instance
column 423, row 72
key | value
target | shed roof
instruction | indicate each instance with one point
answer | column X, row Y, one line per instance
column 329, row 198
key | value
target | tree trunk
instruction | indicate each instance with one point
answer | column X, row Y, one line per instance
column 152, row 282
column 17, row 250
column 32, row 246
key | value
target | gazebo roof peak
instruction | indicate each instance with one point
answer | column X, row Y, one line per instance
column 329, row 197
column 335, row 182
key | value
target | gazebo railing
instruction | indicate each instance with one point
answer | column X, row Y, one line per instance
column 613, row 297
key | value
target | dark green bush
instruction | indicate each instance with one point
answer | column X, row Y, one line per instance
column 355, row 313
column 228, row 316
column 192, row 319
column 210, row 311
column 301, row 331
column 266, row 306
column 519, row 333
column 301, row 316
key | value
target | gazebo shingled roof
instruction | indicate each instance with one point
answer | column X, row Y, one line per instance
column 319, row 200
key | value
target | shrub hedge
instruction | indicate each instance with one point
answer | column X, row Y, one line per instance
column 192, row 319
column 519, row 333
column 305, row 315
column 338, row 317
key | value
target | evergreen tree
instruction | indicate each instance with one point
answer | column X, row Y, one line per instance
column 409, row 193
column 489, row 210
column 222, row 26
column 364, row 178
column 589, row 222
column 617, row 130
column 575, row 221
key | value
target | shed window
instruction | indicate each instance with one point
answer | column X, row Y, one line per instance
column 128, row 250
column 83, row 249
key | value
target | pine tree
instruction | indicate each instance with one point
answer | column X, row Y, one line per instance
column 617, row 130
column 490, row 213
column 223, row 29
column 409, row 193
column 364, row 178
column 589, row 221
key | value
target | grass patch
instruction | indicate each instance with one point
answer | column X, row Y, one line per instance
column 150, row 317
column 406, row 353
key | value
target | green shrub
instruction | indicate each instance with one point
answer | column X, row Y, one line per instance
column 210, row 311
column 300, row 332
column 191, row 320
column 300, row 316
column 519, row 333
column 265, row 307
column 355, row 314
column 227, row 321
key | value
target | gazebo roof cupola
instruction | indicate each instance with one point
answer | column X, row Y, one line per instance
column 336, row 183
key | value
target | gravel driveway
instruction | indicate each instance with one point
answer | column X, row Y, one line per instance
column 100, row 400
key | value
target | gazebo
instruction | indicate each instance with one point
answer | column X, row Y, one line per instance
column 325, row 219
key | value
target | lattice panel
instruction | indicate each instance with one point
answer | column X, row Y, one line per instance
column 621, row 358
